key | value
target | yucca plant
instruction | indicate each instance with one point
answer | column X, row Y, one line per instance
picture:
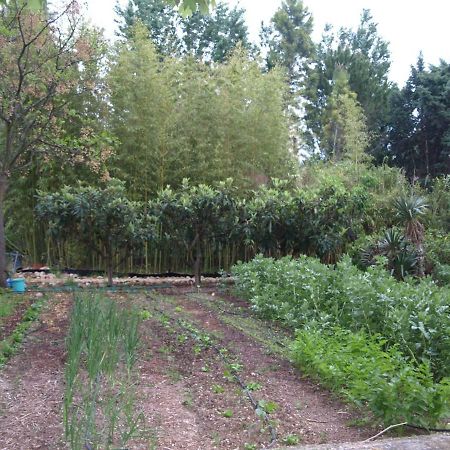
column 409, row 211
column 401, row 257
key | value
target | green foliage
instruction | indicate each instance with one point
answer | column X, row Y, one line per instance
column 213, row 37
column 290, row 439
column 102, row 219
column 239, row 131
column 288, row 39
column 419, row 132
column 345, row 133
column 414, row 316
column 361, row 368
column 400, row 254
column 102, row 349
column 228, row 413
column 207, row 37
column 316, row 222
column 195, row 216
column 8, row 303
column 189, row 6
column 365, row 57
column 438, row 216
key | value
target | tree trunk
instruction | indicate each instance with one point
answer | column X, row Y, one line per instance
column 3, row 189
column 109, row 271
column 420, row 260
column 198, row 262
column 109, row 265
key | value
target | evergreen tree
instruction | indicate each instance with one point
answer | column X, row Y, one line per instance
column 142, row 109
column 160, row 18
column 420, row 127
column 208, row 37
column 183, row 118
column 287, row 40
column 212, row 37
column 365, row 57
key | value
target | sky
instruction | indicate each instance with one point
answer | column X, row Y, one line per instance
column 410, row 26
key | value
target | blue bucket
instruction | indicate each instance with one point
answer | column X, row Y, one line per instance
column 8, row 282
column 17, row 284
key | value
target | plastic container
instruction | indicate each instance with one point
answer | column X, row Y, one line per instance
column 17, row 285
column 8, row 282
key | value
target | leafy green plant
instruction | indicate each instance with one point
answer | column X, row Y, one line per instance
column 253, row 386
column 218, row 389
column 360, row 368
column 268, row 407
column 400, row 255
column 104, row 220
column 12, row 342
column 414, row 316
column 290, row 439
column 145, row 315
column 228, row 413
column 410, row 211
column 250, row 446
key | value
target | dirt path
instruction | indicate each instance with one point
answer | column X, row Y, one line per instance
column 31, row 384
column 185, row 388
column 303, row 409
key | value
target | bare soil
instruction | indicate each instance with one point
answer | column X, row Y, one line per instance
column 9, row 323
column 188, row 397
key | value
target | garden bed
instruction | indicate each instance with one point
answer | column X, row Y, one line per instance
column 194, row 347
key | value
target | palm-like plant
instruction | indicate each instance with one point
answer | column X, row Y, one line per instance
column 409, row 210
column 401, row 257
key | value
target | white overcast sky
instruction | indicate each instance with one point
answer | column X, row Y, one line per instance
column 410, row 26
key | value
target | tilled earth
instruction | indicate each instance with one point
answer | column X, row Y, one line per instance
column 197, row 351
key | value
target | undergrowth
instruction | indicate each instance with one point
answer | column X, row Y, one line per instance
column 358, row 366
column 399, row 328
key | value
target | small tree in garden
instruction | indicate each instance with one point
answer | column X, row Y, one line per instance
column 270, row 220
column 409, row 211
column 104, row 220
column 197, row 215
column 41, row 57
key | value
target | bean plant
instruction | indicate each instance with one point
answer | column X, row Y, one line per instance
column 412, row 315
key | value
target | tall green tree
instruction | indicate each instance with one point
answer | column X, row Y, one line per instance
column 103, row 220
column 142, row 112
column 364, row 55
column 420, row 122
column 160, row 18
column 212, row 37
column 208, row 37
column 197, row 216
column 40, row 54
column 345, row 132
column 182, row 118
column 287, row 40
